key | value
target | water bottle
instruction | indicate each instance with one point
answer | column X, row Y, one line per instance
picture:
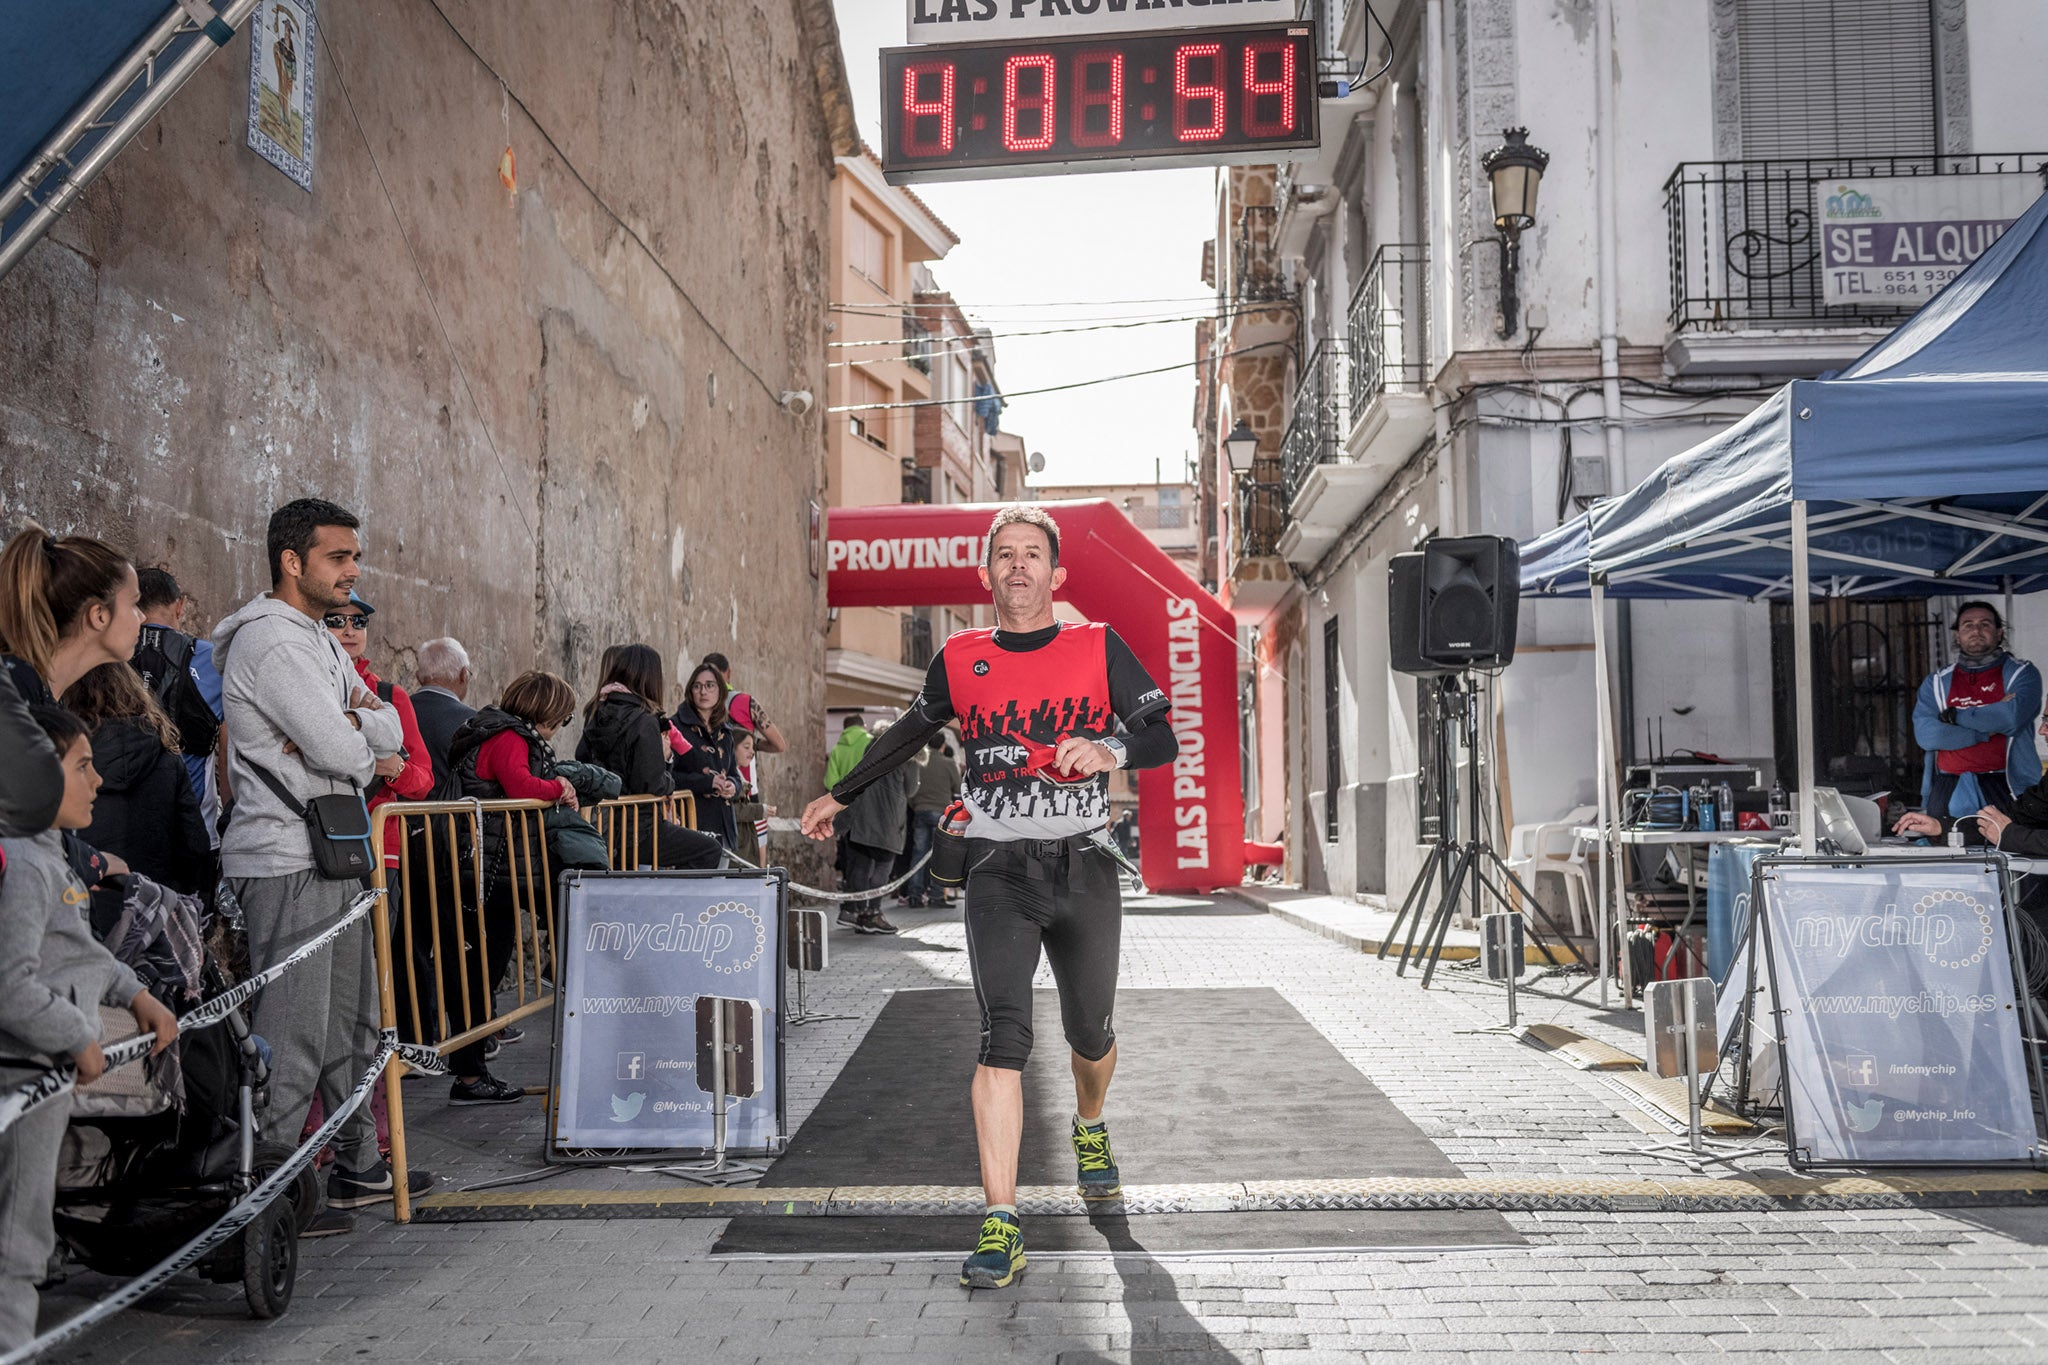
column 1725, row 806
column 1780, row 808
column 1703, row 807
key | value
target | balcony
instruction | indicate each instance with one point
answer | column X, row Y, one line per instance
column 917, row 344
column 1385, row 328
column 1746, row 283
column 1258, row 579
column 1316, row 424
column 917, row 642
column 1378, row 418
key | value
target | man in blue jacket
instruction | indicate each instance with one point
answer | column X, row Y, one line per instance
column 1975, row 719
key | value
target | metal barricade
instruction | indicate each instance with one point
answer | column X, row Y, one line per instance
column 631, row 827
column 432, row 930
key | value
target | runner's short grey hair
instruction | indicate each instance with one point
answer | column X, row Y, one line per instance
column 442, row 660
column 1023, row 514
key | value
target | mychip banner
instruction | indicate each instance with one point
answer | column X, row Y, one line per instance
column 1896, row 241
column 638, row 950
column 1901, row 1016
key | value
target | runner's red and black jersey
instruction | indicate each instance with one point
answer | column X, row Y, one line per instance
column 1016, row 697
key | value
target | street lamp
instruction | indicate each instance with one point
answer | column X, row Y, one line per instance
column 1242, row 445
column 1515, row 169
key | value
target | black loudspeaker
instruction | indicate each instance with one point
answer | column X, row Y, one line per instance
column 1471, row 595
column 1404, row 617
column 1452, row 605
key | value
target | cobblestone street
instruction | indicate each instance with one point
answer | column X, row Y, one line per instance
column 1880, row 1285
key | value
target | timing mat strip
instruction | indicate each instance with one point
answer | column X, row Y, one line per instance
column 1507, row 1194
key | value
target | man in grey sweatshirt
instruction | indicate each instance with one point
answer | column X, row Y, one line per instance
column 296, row 710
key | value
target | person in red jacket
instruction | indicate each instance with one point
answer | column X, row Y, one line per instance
column 414, row 780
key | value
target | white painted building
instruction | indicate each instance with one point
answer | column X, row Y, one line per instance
column 1668, row 282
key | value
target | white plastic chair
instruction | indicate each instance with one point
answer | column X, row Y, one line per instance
column 1550, row 847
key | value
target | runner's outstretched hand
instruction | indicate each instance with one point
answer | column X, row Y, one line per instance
column 817, row 819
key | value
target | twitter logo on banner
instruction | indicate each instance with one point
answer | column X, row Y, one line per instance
column 1862, row 1117
column 625, row 1110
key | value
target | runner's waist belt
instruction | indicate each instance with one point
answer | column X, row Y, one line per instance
column 1043, row 848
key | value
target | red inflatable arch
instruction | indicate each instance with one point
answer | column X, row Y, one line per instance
column 1191, row 813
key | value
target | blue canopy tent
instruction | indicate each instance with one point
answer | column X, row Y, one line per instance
column 1921, row 469
column 78, row 79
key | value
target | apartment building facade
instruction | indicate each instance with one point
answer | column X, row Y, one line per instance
column 1431, row 381
column 921, row 421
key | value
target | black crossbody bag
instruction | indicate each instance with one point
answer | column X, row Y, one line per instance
column 338, row 825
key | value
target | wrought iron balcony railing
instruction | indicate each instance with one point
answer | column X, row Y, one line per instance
column 1315, row 429
column 917, row 343
column 1746, row 244
column 1258, row 277
column 1385, row 326
column 1261, row 515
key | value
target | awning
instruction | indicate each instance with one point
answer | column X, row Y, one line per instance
column 78, row 78
column 1923, row 466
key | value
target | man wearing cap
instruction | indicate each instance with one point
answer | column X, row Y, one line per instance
column 1046, row 710
column 1975, row 719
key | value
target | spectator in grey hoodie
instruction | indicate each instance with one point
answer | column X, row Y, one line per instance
column 296, row 710
column 53, row 977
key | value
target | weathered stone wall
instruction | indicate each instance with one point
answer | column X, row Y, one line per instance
column 555, row 406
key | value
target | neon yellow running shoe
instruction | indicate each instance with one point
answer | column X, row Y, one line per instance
column 998, row 1256
column 1098, row 1178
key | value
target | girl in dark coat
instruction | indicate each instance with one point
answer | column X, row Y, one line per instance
column 146, row 812
column 707, row 770
column 623, row 730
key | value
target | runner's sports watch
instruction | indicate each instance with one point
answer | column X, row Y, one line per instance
column 1116, row 750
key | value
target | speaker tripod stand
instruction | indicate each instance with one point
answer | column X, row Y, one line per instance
column 1455, row 865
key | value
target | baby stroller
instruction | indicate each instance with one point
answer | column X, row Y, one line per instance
column 139, row 1179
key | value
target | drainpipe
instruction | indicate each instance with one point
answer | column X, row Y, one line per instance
column 1606, row 235
column 1442, row 251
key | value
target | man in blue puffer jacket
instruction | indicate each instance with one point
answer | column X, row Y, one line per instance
column 1975, row 719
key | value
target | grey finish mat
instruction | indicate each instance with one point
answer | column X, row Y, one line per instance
column 1211, row 1085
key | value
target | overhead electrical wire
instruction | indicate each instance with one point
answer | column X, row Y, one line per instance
column 1059, row 388
column 1052, row 303
column 1052, row 331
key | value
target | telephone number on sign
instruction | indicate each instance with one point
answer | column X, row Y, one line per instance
column 1941, row 275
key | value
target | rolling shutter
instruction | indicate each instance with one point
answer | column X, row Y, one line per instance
column 1824, row 78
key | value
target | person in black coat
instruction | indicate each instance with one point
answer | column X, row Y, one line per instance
column 146, row 813
column 440, row 704
column 623, row 730
column 707, row 770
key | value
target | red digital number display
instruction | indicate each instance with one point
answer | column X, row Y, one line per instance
column 1208, row 95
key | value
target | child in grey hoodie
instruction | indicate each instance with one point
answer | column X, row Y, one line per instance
column 54, row 976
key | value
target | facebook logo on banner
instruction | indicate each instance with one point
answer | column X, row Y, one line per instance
column 632, row 1065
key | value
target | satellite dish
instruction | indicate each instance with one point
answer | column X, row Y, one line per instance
column 1036, row 464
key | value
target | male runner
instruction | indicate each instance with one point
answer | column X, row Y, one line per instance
column 1039, row 703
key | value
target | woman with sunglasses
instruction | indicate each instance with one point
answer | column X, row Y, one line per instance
column 414, row 778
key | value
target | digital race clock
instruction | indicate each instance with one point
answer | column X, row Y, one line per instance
column 1101, row 102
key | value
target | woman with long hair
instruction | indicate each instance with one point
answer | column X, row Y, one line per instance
column 623, row 730
column 707, row 770
column 147, row 812
column 67, row 605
